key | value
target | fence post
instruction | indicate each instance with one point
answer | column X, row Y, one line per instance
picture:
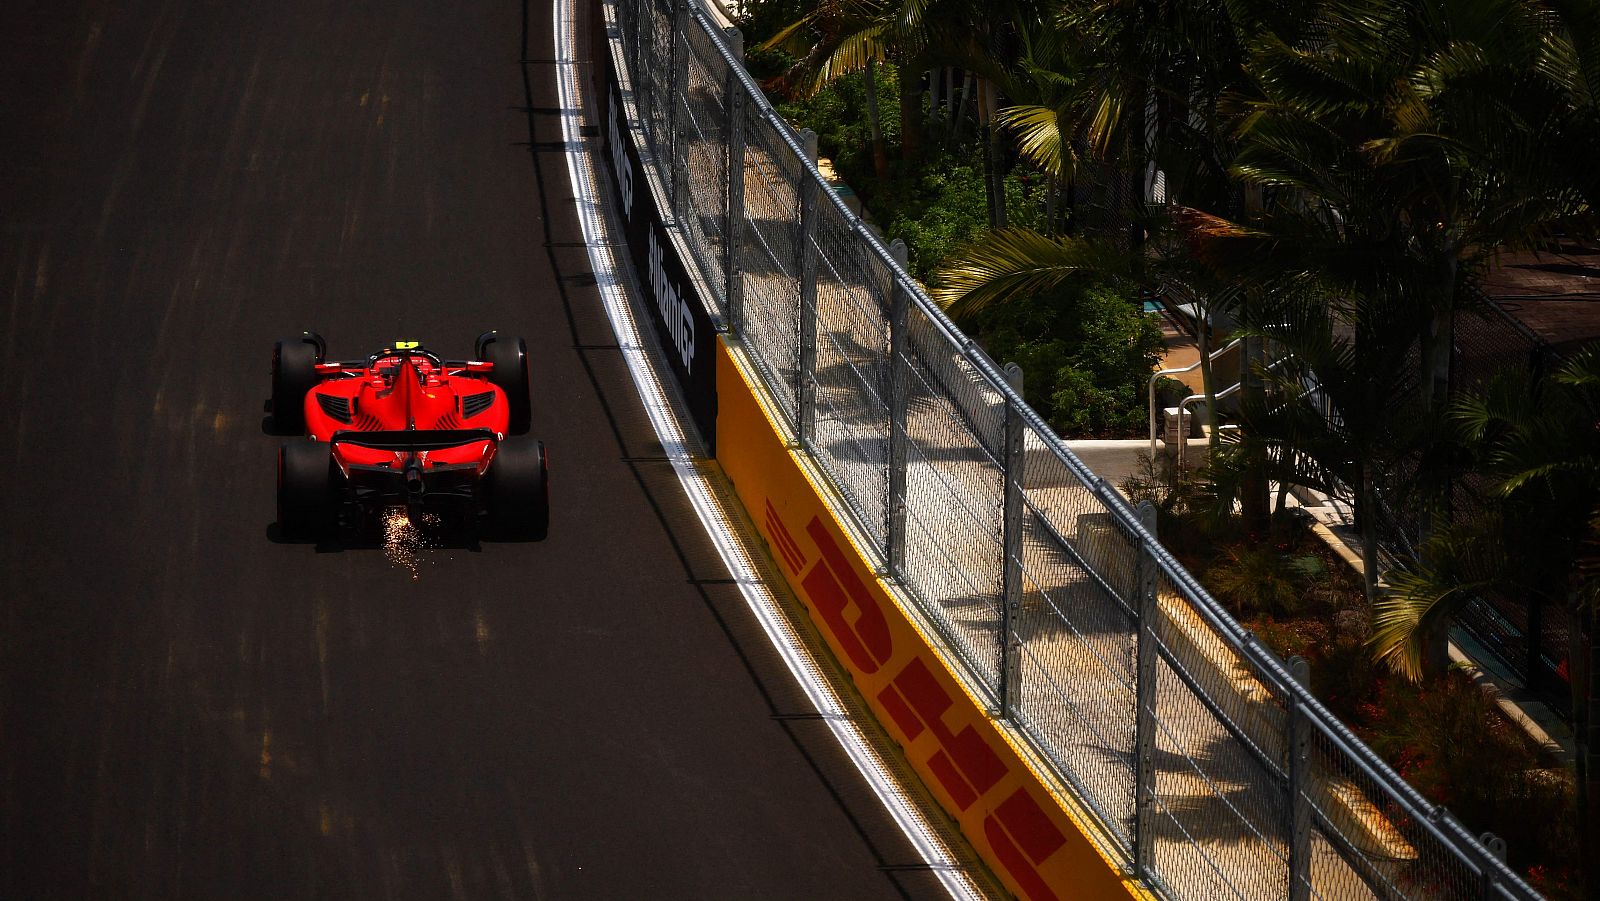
column 1011, row 565
column 1494, row 852
column 677, row 109
column 644, row 36
column 636, row 9
column 733, row 278
column 810, row 189
column 1299, row 784
column 1150, row 621
column 644, row 19
column 899, row 399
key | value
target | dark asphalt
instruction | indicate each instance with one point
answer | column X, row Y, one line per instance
column 191, row 709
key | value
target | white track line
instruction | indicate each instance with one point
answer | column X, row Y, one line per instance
column 610, row 279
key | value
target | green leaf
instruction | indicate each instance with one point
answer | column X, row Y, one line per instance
column 1017, row 263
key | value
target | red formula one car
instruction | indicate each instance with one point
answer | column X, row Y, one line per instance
column 404, row 427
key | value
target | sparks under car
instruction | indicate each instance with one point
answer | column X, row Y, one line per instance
column 405, row 428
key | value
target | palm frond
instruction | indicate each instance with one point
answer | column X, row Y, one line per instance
column 1039, row 139
column 1542, row 472
column 1017, row 262
column 1582, row 370
column 910, row 15
column 1418, row 598
column 849, row 55
column 1104, row 119
column 1413, row 604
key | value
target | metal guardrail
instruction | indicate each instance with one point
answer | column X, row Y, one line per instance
column 1160, row 374
column 1210, row 767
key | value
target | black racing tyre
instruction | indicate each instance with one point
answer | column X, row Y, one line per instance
column 294, row 374
column 519, row 490
column 305, row 489
column 510, row 358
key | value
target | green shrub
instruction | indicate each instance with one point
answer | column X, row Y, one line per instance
column 1260, row 578
column 1290, row 638
column 935, row 210
column 764, row 65
column 1086, row 354
column 1087, row 351
column 761, row 19
column 837, row 113
column 938, row 204
column 1450, row 741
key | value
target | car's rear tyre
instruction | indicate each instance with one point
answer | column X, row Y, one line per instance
column 294, row 374
column 305, row 489
column 519, row 490
column 510, row 374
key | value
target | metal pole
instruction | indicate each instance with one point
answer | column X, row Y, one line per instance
column 1150, row 621
column 734, row 278
column 899, row 400
column 1494, row 852
column 810, row 189
column 1299, row 806
column 644, row 16
column 1011, row 536
column 625, row 27
column 677, row 107
column 644, row 65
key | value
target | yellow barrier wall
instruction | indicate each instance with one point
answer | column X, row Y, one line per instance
column 1036, row 846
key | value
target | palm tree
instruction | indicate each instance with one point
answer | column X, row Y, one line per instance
column 1328, row 417
column 1394, row 148
column 1539, row 539
column 1128, row 86
column 1447, row 110
column 1043, row 86
column 837, row 38
column 1152, row 75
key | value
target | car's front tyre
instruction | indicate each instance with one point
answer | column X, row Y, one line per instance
column 294, row 374
column 510, row 374
column 518, row 484
column 305, row 489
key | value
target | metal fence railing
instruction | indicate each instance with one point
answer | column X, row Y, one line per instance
column 1210, row 767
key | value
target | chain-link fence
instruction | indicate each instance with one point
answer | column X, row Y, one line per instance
column 1209, row 766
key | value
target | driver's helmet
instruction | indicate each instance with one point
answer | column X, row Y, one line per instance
column 386, row 363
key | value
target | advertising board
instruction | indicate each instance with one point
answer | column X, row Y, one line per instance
column 682, row 324
column 1034, row 843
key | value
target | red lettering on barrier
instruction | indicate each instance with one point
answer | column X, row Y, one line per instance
column 833, row 587
column 965, row 763
column 1020, row 833
column 1022, row 836
column 1016, row 863
column 901, row 713
column 824, row 590
column 1027, row 822
column 961, row 792
column 785, row 543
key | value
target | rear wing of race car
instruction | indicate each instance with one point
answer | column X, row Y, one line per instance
column 413, row 440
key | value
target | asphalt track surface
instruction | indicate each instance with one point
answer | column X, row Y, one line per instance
column 192, row 708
